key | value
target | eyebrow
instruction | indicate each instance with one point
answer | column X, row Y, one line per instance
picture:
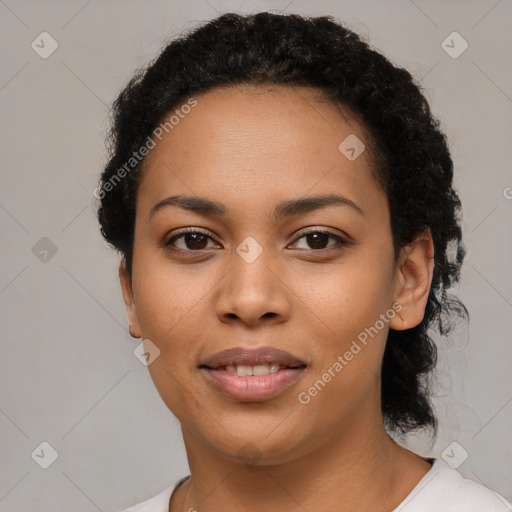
column 285, row 209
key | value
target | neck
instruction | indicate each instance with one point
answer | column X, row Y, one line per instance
column 360, row 470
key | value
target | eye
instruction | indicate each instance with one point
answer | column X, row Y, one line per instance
column 192, row 240
column 317, row 239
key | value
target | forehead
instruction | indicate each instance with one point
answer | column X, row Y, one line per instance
column 261, row 141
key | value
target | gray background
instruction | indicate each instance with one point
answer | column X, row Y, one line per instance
column 68, row 374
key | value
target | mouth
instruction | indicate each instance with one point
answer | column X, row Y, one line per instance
column 252, row 375
column 244, row 370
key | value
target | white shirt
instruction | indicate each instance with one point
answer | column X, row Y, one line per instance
column 442, row 489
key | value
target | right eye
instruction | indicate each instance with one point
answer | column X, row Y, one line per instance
column 191, row 239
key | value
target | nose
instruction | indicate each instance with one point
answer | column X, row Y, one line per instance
column 253, row 293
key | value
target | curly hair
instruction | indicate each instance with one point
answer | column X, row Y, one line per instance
column 411, row 155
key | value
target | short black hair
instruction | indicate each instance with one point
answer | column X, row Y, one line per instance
column 413, row 161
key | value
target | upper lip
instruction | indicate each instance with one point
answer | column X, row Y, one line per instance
column 252, row 357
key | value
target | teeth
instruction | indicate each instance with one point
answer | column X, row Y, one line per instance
column 244, row 370
column 274, row 367
column 259, row 369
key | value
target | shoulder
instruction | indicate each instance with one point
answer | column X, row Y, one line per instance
column 444, row 489
column 158, row 503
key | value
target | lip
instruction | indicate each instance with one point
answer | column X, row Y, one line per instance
column 252, row 388
column 252, row 357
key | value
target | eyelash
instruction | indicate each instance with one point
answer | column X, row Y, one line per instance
column 169, row 243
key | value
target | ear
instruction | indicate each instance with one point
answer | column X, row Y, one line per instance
column 413, row 280
column 129, row 301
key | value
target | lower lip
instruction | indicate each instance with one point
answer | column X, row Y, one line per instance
column 252, row 388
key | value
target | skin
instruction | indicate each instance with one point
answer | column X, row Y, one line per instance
column 251, row 148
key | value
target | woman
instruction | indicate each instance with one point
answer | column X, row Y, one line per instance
column 282, row 200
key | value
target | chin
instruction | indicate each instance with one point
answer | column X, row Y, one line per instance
column 258, row 441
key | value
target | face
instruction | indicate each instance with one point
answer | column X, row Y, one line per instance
column 303, row 292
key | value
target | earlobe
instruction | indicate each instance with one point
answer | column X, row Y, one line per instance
column 414, row 278
column 129, row 301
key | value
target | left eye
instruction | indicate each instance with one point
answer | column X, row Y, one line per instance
column 318, row 239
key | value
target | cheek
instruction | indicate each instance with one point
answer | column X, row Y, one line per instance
column 347, row 297
column 169, row 303
column 167, row 294
column 344, row 306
